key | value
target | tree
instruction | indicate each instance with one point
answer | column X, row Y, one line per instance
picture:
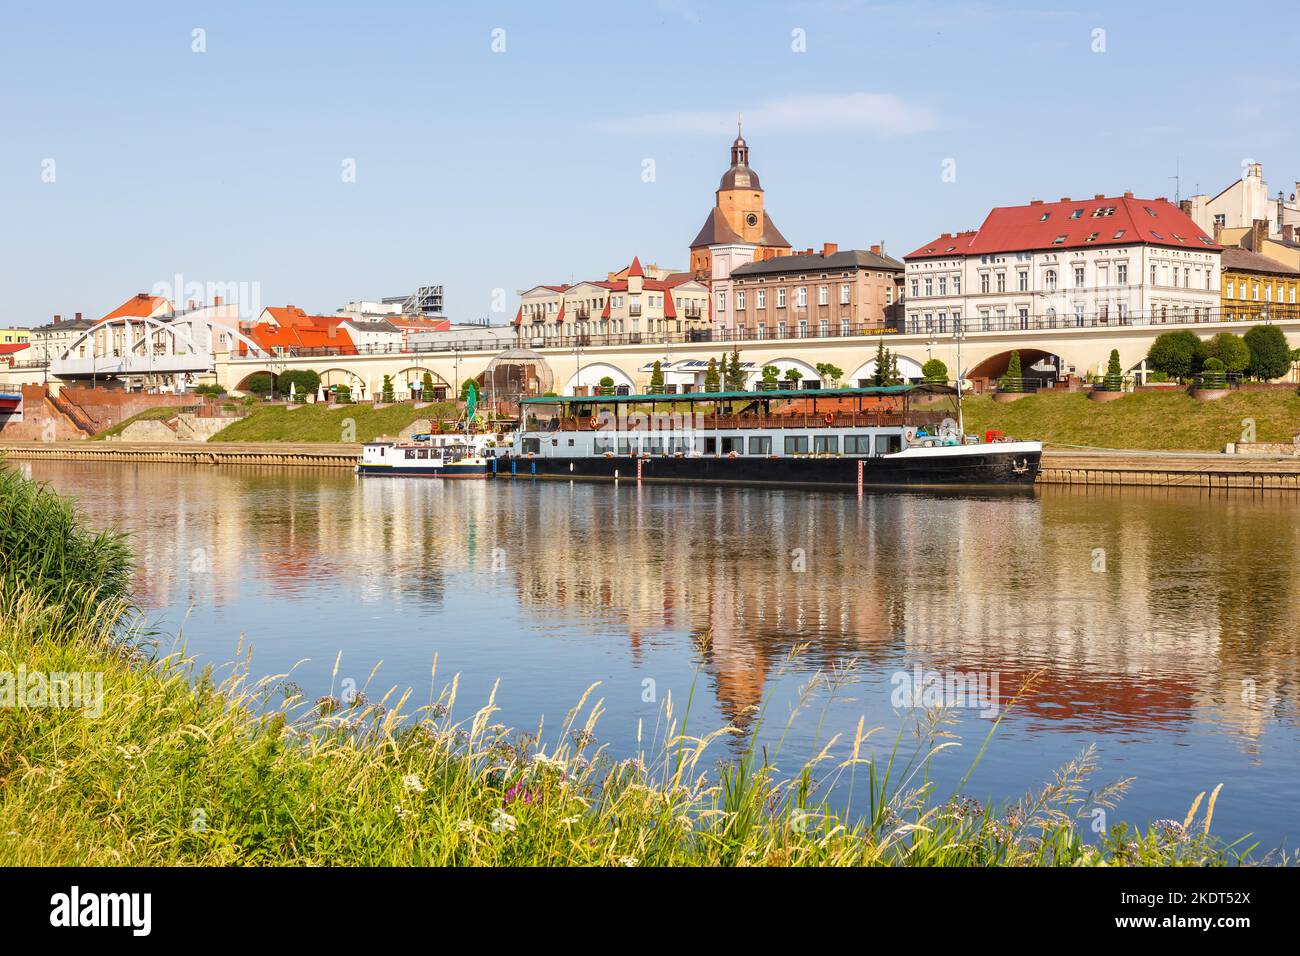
column 342, row 394
column 793, row 376
column 304, row 381
column 657, row 378
column 771, row 375
column 1114, row 380
column 935, row 371
column 1270, row 356
column 711, row 378
column 1012, row 380
column 1229, row 349
column 881, row 375
column 830, row 373
column 426, row 387
column 260, row 383
column 1178, row 354
column 386, row 391
column 464, row 389
column 735, row 373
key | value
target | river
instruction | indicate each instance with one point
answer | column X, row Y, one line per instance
column 1159, row 626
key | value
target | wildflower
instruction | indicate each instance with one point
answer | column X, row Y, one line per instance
column 327, row 705
column 130, row 753
column 583, row 737
column 465, row 826
column 553, row 763
column 503, row 822
column 439, row 710
column 1170, row 829
column 412, row 782
column 402, row 812
column 627, row 861
column 520, row 792
column 569, row 821
column 685, row 823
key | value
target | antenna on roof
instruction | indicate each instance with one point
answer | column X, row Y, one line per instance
column 1178, row 197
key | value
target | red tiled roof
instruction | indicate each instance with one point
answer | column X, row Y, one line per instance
column 15, row 347
column 1100, row 221
column 635, row 269
column 519, row 316
column 560, row 316
column 139, row 306
column 300, row 335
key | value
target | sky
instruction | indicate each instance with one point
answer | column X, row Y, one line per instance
column 316, row 154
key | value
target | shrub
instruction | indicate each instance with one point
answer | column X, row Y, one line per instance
column 304, row 381
column 935, row 371
column 1212, row 375
column 831, row 374
column 1011, row 379
column 387, row 394
column 260, row 383
column 793, row 376
column 1178, row 354
column 1231, row 350
column 771, row 375
column 1114, row 380
column 657, row 378
column 216, row 391
column 1270, row 356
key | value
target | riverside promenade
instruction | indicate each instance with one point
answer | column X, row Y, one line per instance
column 1167, row 469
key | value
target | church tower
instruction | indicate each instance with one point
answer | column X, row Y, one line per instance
column 738, row 216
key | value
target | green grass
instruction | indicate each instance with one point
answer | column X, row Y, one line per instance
column 168, row 767
column 1167, row 421
column 160, row 413
column 321, row 423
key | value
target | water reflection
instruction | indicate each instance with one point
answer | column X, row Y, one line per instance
column 1157, row 620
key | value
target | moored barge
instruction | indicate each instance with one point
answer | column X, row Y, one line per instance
column 890, row 436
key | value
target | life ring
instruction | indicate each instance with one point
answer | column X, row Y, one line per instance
column 594, row 423
column 829, row 418
column 732, row 454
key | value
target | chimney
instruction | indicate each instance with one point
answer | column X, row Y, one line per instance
column 1128, row 194
column 1162, row 199
column 876, row 250
column 830, row 248
column 1098, row 195
column 216, row 300
column 58, row 319
column 78, row 316
column 331, row 331
column 1258, row 233
column 1035, row 202
column 1065, row 199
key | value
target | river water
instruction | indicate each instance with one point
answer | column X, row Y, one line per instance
column 1159, row 626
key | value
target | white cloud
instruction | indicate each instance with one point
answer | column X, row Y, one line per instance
column 881, row 114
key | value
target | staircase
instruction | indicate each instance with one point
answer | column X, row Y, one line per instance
column 73, row 413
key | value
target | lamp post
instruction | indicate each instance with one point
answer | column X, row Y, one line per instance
column 959, row 333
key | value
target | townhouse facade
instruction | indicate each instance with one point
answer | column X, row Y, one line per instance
column 1107, row 260
column 630, row 303
column 810, row 294
column 1256, row 287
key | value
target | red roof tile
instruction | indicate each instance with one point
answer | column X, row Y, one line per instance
column 139, row 306
column 636, row 269
column 1100, row 221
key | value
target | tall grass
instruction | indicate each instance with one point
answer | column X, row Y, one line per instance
column 46, row 551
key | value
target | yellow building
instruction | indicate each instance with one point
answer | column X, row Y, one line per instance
column 1256, row 287
column 14, row 336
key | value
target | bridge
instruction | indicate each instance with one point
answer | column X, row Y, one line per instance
column 583, row 361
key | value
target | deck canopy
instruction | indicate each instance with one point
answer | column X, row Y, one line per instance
column 924, row 388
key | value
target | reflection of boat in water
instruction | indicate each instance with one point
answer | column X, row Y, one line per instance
column 891, row 436
column 432, row 456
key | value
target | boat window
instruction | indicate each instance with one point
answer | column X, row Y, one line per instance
column 796, row 444
column 424, row 452
column 604, row 444
column 760, row 445
column 627, row 446
column 888, row 444
column 410, row 453
column 826, row 444
column 655, row 446
column 532, row 446
column 857, row 444
column 710, row 446
column 733, row 444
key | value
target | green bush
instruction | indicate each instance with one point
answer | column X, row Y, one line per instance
column 1178, row 354
column 260, row 383
column 1231, row 350
column 1212, row 374
column 935, row 371
column 1270, row 356
column 304, row 381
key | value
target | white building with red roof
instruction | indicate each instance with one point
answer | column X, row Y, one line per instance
column 634, row 301
column 1073, row 263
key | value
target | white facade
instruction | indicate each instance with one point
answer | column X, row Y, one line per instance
column 1122, row 285
column 725, row 260
column 1245, row 201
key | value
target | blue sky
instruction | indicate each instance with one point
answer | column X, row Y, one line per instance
column 488, row 170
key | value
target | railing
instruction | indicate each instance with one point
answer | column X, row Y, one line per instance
column 1189, row 315
column 74, row 413
column 711, row 422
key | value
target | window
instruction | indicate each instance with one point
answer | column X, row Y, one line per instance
column 844, row 294
column 984, row 282
column 761, row 299
column 1153, row 273
column 844, row 327
column 762, row 330
column 740, row 301
column 956, row 285
column 823, row 328
column 1002, row 282
column 1121, row 273
column 1024, row 281
column 826, row 444
column 722, row 302
column 1078, row 277
column 1058, row 240
column 823, row 295
column 760, row 445
column 780, row 298
column 929, row 286
column 801, row 295
column 888, row 444
column 796, row 444
column 1076, row 214
column 943, row 285
column 915, row 286
column 803, row 328
column 857, row 444
column 780, row 330
column 1049, row 280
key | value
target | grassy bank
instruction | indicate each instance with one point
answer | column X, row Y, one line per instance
column 174, row 768
column 1156, row 421
column 321, row 423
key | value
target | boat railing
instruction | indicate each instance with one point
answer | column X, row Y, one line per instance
column 750, row 421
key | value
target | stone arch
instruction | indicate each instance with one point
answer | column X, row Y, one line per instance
column 243, row 385
column 1044, row 365
column 403, row 379
column 908, row 368
column 344, row 376
column 806, row 372
column 591, row 374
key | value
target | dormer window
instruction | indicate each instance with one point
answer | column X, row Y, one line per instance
column 1044, row 217
column 1058, row 240
column 1078, row 213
